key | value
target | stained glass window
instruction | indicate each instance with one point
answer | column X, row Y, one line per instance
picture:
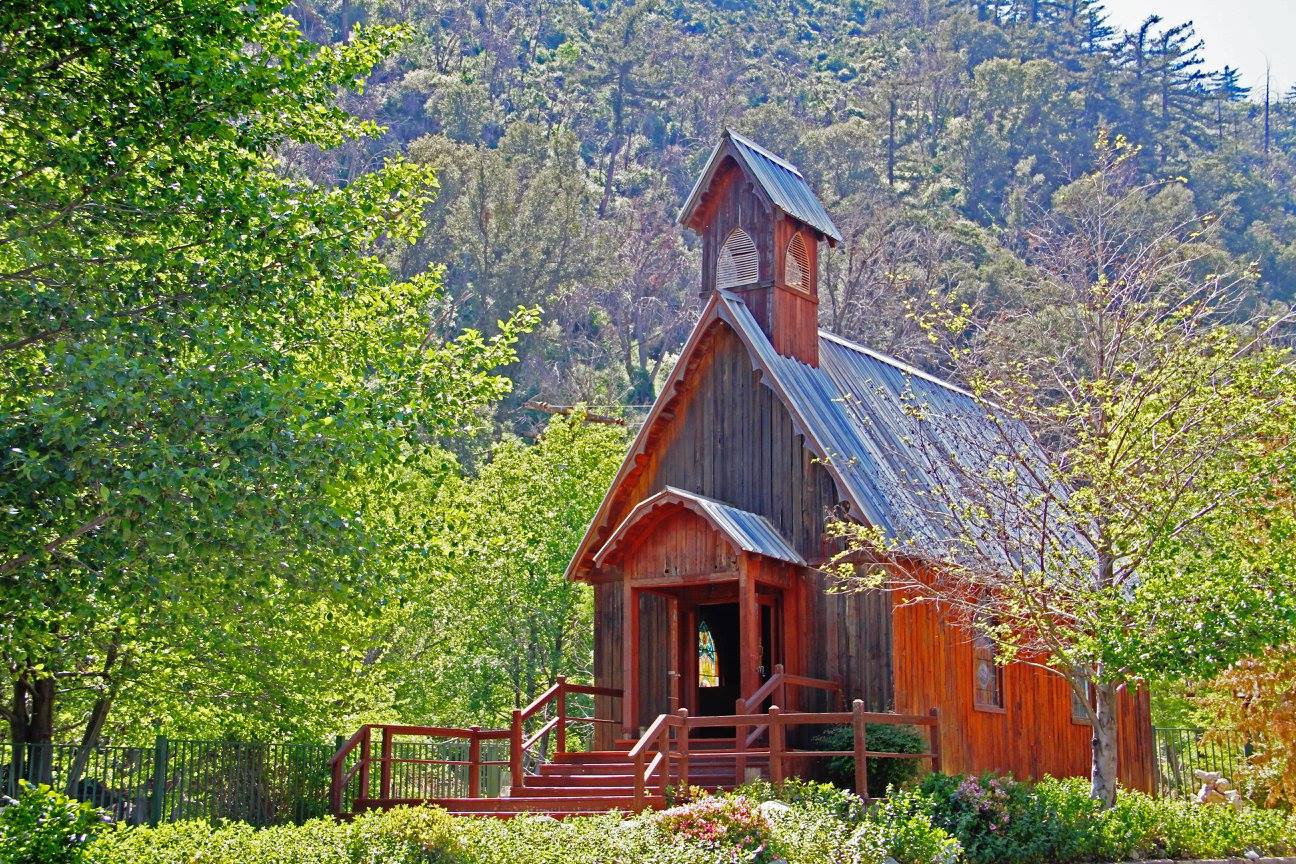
column 988, row 675
column 708, row 666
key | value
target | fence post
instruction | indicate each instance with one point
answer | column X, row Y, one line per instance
column 683, row 749
column 740, row 745
column 560, row 744
column 775, row 745
column 935, row 740
column 474, row 762
column 366, row 752
column 860, row 738
column 385, row 769
column 158, row 801
column 515, row 750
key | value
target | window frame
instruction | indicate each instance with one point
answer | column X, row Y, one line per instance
column 985, row 650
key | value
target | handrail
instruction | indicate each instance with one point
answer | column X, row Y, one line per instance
column 653, row 737
column 363, row 739
column 779, row 682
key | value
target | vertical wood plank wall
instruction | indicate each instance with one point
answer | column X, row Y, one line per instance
column 732, row 440
column 1034, row 735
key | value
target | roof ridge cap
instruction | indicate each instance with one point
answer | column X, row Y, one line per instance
column 899, row 364
column 773, row 157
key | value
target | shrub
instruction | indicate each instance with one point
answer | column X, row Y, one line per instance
column 844, row 805
column 731, row 823
column 879, row 773
column 901, row 825
column 999, row 820
column 45, row 827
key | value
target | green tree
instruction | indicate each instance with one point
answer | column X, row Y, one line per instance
column 201, row 352
column 496, row 620
column 1130, row 499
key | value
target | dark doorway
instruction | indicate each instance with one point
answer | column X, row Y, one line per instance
column 716, row 647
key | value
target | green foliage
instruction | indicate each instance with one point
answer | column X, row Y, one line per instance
column 46, row 827
column 880, row 773
column 496, row 620
column 209, row 380
column 997, row 819
column 904, row 827
column 1053, row 822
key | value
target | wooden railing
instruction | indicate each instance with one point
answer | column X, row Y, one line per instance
column 552, row 707
column 667, row 748
column 776, row 687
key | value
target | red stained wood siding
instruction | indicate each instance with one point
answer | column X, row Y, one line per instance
column 1032, row 736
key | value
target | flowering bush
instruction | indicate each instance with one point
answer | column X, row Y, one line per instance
column 733, row 826
column 902, row 826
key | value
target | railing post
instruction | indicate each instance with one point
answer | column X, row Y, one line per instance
column 474, row 762
column 740, row 745
column 935, row 739
column 515, row 750
column 560, row 745
column 385, row 769
column 860, row 739
column 683, row 748
column 366, row 753
column 639, row 782
column 775, row 744
column 780, row 692
column 673, row 688
column 157, row 804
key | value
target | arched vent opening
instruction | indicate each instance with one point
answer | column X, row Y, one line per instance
column 739, row 263
column 796, row 265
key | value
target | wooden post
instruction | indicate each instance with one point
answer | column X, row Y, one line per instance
column 365, row 752
column 740, row 744
column 748, row 628
column 775, row 745
column 673, row 652
column 560, row 745
column 673, row 687
column 335, row 792
column 386, row 766
column 639, row 782
column 780, row 692
column 474, row 762
column 515, row 751
column 630, row 659
column 935, row 740
column 861, row 747
column 683, row 748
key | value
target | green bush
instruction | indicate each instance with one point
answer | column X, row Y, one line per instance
column 46, row 827
column 902, row 826
column 844, row 805
column 997, row 819
column 880, row 774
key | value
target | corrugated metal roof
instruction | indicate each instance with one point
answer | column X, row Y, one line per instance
column 780, row 180
column 783, row 182
column 747, row 531
column 899, row 441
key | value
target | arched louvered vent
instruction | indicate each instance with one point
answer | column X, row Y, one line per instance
column 739, row 263
column 796, row 265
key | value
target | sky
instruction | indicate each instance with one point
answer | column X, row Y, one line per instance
column 1239, row 33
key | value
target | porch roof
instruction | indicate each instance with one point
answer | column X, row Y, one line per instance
column 748, row 532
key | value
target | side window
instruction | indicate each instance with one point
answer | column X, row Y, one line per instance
column 987, row 675
column 1079, row 712
column 796, row 265
column 738, row 263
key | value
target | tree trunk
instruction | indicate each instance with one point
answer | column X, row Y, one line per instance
column 1103, row 766
column 32, row 730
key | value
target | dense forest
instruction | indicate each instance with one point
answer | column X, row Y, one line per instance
column 565, row 135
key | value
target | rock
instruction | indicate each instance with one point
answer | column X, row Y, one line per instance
column 773, row 810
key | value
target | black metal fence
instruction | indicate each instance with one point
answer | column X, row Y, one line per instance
column 169, row 780
column 1180, row 752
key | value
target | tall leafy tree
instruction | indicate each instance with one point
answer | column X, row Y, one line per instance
column 1131, row 497
column 199, row 347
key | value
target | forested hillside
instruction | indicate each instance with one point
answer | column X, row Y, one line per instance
column 565, row 135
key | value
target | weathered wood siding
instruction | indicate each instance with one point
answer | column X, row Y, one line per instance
column 1032, row 736
column 731, row 439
